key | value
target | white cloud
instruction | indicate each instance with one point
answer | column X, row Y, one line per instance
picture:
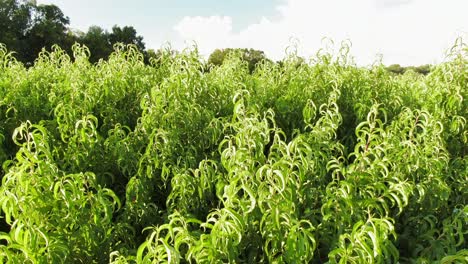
column 409, row 32
column 208, row 32
column 392, row 3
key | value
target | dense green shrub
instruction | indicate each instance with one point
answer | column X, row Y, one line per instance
column 298, row 162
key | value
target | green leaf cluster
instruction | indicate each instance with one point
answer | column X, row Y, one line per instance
column 315, row 161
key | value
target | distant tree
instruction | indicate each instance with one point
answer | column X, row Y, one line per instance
column 297, row 62
column 26, row 28
column 155, row 57
column 126, row 35
column 150, row 54
column 100, row 42
column 15, row 22
column 49, row 27
column 251, row 56
column 396, row 68
column 97, row 40
column 217, row 57
column 423, row 69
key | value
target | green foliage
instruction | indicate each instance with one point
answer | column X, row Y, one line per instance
column 398, row 69
column 251, row 56
column 97, row 40
column 28, row 27
column 100, row 42
column 15, row 21
column 315, row 161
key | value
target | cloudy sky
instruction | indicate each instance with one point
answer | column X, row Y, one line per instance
column 408, row 32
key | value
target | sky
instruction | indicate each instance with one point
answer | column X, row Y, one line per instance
column 406, row 32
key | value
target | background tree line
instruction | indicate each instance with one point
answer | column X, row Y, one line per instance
column 398, row 69
column 26, row 28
